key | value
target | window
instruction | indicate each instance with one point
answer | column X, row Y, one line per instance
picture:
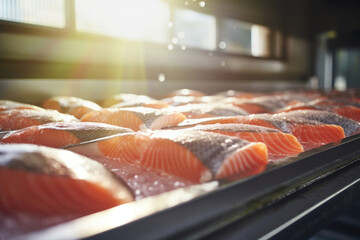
column 41, row 12
column 193, row 29
column 244, row 38
column 150, row 21
column 260, row 44
column 136, row 19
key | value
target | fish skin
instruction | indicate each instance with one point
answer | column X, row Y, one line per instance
column 34, row 178
column 60, row 134
column 20, row 118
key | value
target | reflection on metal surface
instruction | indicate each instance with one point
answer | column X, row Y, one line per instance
column 118, row 216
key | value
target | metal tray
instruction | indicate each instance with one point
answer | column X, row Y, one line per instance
column 316, row 185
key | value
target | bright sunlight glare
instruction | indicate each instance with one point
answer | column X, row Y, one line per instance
column 131, row 19
column 259, row 41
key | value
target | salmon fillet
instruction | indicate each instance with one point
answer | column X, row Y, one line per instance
column 203, row 110
column 136, row 118
column 60, row 134
column 279, row 144
column 189, row 154
column 7, row 105
column 70, row 105
column 47, row 181
column 350, row 127
column 20, row 118
column 309, row 133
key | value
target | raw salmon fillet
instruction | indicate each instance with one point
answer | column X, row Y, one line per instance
column 192, row 155
column 125, row 97
column 350, row 127
column 209, row 110
column 150, row 103
column 343, row 107
column 136, row 118
column 48, row 181
column 70, row 105
column 351, row 112
column 8, row 105
column 309, row 133
column 264, row 104
column 20, row 118
column 279, row 144
column 60, row 134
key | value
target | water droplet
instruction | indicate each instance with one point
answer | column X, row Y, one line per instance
column 228, row 141
column 156, row 183
column 138, row 191
column 176, row 184
column 170, row 47
column 202, row 4
column 223, row 63
column 151, row 188
column 136, row 176
column 183, row 47
column 174, row 40
column 170, row 24
column 186, row 3
column 181, row 34
column 222, row 45
column 161, row 77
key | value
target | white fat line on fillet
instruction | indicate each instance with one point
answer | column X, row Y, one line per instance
column 316, row 136
column 324, row 135
column 182, row 164
column 247, row 151
column 285, row 147
column 70, row 194
column 53, row 190
column 32, row 183
column 237, row 164
column 274, row 144
column 332, row 133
